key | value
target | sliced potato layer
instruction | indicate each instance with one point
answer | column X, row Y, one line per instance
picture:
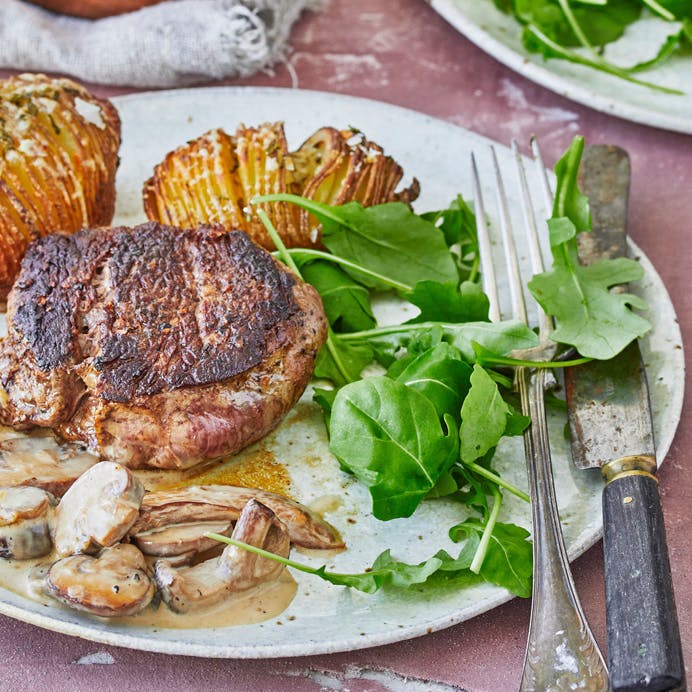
column 58, row 158
column 213, row 178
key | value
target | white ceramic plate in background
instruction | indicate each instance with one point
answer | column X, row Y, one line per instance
column 499, row 35
column 323, row 618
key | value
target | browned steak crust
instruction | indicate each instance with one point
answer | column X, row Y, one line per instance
column 110, row 329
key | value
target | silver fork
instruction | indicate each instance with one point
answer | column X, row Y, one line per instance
column 561, row 652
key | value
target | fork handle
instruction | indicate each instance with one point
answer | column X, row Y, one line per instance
column 561, row 652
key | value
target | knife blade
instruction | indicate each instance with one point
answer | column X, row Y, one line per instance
column 611, row 428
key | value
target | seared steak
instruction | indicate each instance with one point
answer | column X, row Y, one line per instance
column 156, row 346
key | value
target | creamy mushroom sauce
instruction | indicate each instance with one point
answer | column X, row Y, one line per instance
column 255, row 468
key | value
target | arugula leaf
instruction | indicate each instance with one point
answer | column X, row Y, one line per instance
column 324, row 398
column 474, row 489
column 537, row 42
column 600, row 24
column 516, row 422
column 487, row 359
column 457, row 223
column 385, row 571
column 401, row 574
column 390, row 437
column 485, row 417
column 554, row 27
column 508, row 561
column 417, row 342
column 421, row 341
column 588, row 316
column 681, row 9
column 388, row 239
column 446, row 485
column 336, row 361
column 346, row 303
column 303, row 256
column 597, row 322
column 440, row 375
column 448, row 303
column 499, row 337
column 569, row 201
column 342, row 361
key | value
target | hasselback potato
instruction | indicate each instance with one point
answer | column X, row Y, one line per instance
column 212, row 178
column 58, row 158
column 94, row 9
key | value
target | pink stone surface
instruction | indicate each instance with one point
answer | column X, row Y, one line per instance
column 401, row 52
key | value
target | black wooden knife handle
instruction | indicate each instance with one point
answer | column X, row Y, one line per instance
column 644, row 647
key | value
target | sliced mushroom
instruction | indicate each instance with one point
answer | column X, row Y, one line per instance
column 26, row 515
column 98, row 510
column 114, row 583
column 219, row 502
column 181, row 539
column 42, row 462
column 176, row 560
column 234, row 570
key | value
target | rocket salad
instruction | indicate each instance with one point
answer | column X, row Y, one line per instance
column 429, row 424
column 580, row 30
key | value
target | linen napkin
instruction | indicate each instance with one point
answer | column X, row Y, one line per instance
column 169, row 44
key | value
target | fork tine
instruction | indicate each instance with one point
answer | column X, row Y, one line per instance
column 545, row 324
column 484, row 250
column 528, row 213
column 515, row 289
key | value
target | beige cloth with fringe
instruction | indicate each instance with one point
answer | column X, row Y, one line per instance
column 169, row 44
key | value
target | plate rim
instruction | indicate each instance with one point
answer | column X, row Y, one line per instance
column 143, row 639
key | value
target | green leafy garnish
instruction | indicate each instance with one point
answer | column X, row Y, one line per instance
column 508, row 563
column 440, row 374
column 341, row 361
column 599, row 323
column 346, row 302
column 391, row 438
column 385, row 238
column 508, row 559
column 448, row 302
column 458, row 225
column 498, row 337
column 429, row 426
column 486, row 417
column 580, row 31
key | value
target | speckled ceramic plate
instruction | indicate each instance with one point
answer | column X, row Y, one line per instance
column 499, row 35
column 324, row 618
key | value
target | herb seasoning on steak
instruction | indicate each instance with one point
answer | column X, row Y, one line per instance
column 156, row 346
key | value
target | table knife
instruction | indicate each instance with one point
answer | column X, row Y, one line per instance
column 611, row 428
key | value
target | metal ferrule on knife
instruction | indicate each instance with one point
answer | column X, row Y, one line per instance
column 631, row 465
